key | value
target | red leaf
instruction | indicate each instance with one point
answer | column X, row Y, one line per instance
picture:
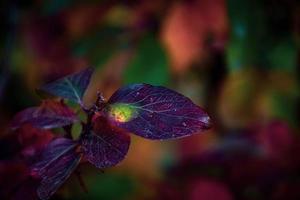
column 187, row 27
column 50, row 114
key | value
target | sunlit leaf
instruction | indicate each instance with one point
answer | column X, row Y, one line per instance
column 107, row 146
column 50, row 114
column 56, row 164
column 156, row 112
column 70, row 87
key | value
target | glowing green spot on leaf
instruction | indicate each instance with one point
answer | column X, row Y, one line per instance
column 122, row 112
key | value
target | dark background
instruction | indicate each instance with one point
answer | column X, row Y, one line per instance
column 238, row 59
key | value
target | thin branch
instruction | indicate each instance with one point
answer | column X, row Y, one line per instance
column 81, row 181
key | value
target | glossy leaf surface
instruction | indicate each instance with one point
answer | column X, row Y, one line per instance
column 155, row 112
column 71, row 87
column 50, row 114
column 107, row 146
column 57, row 162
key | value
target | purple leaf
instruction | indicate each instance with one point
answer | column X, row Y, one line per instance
column 107, row 146
column 155, row 112
column 56, row 163
column 54, row 150
column 70, row 87
column 50, row 114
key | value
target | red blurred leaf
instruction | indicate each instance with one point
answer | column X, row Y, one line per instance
column 209, row 190
column 189, row 25
column 50, row 114
column 33, row 140
column 276, row 139
column 12, row 173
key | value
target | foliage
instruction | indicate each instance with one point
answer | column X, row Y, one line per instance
column 152, row 112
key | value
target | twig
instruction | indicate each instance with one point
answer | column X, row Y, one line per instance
column 81, row 181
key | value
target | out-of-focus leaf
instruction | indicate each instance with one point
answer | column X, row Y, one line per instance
column 55, row 6
column 276, row 139
column 100, row 45
column 56, row 164
column 33, row 140
column 188, row 26
column 283, row 56
column 156, row 112
column 12, row 172
column 70, row 87
column 107, row 146
column 26, row 190
column 50, row 114
column 238, row 102
column 283, row 106
column 150, row 64
column 108, row 186
column 209, row 189
column 248, row 44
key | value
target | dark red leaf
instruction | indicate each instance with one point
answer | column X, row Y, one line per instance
column 26, row 190
column 107, row 146
column 155, row 112
column 33, row 140
column 50, row 114
column 12, row 173
column 206, row 189
column 70, row 87
column 56, row 163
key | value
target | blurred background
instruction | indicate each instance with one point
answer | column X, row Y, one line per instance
column 239, row 60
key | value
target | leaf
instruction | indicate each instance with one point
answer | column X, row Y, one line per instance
column 57, row 162
column 100, row 45
column 107, row 146
column 155, row 112
column 108, row 186
column 54, row 150
column 33, row 140
column 205, row 189
column 250, row 35
column 188, row 26
column 71, row 87
column 50, row 114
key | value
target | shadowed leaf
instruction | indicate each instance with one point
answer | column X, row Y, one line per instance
column 70, row 87
column 33, row 140
column 57, row 162
column 107, row 146
column 49, row 115
column 155, row 112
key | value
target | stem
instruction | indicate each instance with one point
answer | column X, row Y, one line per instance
column 81, row 181
column 98, row 106
column 68, row 130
